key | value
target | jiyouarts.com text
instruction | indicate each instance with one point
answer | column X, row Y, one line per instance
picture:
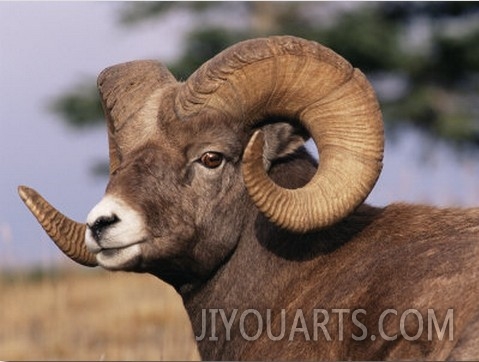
column 322, row 324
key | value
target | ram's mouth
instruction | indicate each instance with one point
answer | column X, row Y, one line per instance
column 97, row 247
column 120, row 258
column 115, row 250
column 110, row 252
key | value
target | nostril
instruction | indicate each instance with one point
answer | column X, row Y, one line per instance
column 102, row 223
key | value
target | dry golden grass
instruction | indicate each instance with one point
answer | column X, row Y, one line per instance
column 74, row 314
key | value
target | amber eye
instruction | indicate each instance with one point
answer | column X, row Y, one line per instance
column 211, row 159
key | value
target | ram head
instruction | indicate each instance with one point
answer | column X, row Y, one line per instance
column 190, row 161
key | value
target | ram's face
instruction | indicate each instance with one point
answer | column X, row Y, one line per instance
column 174, row 205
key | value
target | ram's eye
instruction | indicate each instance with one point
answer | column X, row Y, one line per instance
column 211, row 159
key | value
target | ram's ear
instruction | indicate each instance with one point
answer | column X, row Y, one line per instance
column 282, row 139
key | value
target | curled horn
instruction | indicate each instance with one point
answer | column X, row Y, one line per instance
column 128, row 93
column 67, row 234
column 290, row 77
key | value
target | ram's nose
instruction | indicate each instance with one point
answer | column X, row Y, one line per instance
column 102, row 223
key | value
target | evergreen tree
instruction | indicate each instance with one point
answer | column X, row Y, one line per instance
column 422, row 57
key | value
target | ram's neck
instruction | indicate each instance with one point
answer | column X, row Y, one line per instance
column 248, row 281
column 263, row 273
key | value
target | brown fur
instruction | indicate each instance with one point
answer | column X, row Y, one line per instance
column 399, row 257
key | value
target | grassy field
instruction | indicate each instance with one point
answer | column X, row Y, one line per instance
column 79, row 314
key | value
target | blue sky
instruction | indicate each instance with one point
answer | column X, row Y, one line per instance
column 46, row 47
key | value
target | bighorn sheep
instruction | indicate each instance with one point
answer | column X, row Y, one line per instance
column 212, row 191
